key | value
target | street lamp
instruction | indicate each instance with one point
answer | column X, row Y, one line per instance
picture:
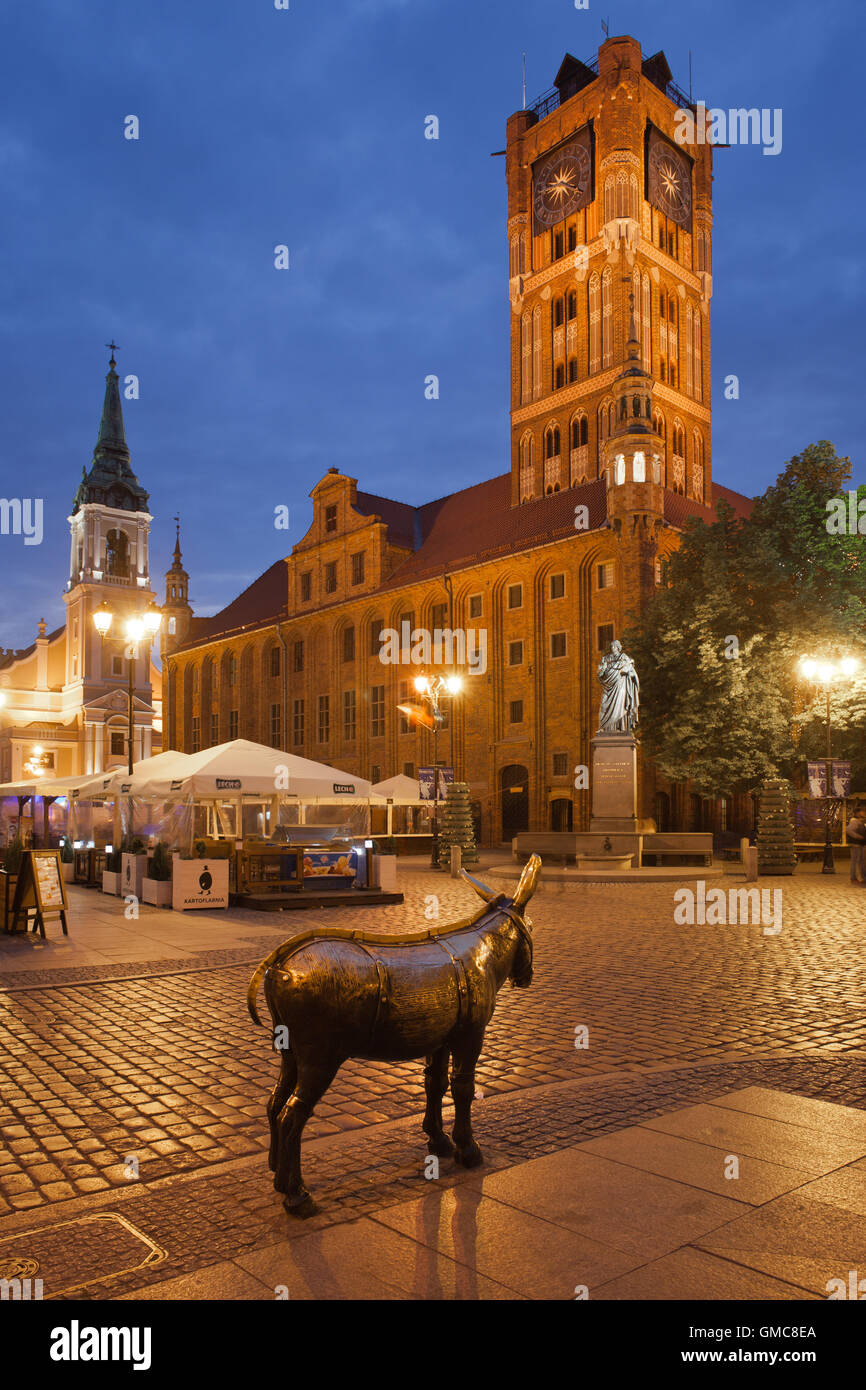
column 136, row 627
column 432, row 690
column 823, row 673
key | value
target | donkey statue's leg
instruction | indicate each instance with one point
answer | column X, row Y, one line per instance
column 278, row 1097
column 436, row 1084
column 465, row 1056
column 314, row 1078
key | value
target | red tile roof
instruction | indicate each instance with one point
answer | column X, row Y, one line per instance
column 467, row 527
column 262, row 603
column 678, row 509
column 479, row 523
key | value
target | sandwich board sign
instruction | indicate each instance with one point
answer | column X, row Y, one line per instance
column 40, row 891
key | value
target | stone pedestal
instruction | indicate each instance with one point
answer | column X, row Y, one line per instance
column 614, row 787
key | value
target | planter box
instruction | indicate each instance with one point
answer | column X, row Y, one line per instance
column 133, row 869
column 385, row 872
column 199, row 883
column 156, row 891
column 110, row 882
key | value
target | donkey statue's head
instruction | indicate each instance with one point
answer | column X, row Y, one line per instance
column 521, row 966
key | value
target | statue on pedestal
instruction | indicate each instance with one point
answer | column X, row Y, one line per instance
column 621, row 697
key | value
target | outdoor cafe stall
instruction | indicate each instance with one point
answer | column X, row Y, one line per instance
column 288, row 829
column 400, row 817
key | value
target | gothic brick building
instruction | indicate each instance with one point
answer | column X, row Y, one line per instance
column 610, row 255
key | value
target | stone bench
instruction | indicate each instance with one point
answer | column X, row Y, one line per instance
column 567, row 845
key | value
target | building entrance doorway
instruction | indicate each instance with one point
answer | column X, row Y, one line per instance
column 561, row 813
column 514, row 784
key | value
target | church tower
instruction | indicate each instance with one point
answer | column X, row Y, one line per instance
column 608, row 206
column 177, row 611
column 109, row 532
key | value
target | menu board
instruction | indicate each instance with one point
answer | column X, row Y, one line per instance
column 49, row 883
column 40, row 891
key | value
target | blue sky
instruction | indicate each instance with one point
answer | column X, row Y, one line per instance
column 306, row 127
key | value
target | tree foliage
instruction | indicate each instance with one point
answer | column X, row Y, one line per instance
column 723, row 702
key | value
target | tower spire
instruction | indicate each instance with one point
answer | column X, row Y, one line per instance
column 112, row 436
column 177, row 550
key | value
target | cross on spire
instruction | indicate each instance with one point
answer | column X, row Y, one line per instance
column 114, row 348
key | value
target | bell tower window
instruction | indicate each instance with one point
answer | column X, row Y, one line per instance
column 117, row 554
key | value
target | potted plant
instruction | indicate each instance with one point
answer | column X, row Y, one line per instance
column 156, row 884
column 111, row 874
column 12, row 857
column 67, row 860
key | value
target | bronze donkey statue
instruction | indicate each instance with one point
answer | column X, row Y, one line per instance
column 340, row 993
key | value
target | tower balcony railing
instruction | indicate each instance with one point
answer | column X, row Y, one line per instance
column 551, row 100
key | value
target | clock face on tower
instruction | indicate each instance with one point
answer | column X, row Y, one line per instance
column 670, row 181
column 562, row 183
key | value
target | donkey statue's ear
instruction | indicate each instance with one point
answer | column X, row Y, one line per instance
column 485, row 893
column 528, row 881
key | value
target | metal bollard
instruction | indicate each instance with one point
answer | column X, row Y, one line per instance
column 750, row 859
column 456, row 860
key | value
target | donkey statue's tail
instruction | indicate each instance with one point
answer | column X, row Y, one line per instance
column 274, row 958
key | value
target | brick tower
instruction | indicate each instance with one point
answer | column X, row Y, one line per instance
column 607, row 208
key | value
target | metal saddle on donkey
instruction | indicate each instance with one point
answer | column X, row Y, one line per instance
column 334, row 993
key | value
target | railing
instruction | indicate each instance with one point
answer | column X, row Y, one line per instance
column 551, row 100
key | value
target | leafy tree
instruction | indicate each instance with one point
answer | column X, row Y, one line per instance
column 723, row 701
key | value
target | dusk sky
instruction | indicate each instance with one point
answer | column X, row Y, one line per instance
column 306, row 127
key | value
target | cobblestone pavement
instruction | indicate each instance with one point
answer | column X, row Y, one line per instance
column 164, row 1066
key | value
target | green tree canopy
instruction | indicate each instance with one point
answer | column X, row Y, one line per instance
column 723, row 701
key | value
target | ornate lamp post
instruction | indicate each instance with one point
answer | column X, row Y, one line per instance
column 432, row 689
column 136, row 627
column 823, row 673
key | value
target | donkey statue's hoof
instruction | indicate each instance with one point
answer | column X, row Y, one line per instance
column 441, row 1147
column 470, row 1157
column 302, row 1209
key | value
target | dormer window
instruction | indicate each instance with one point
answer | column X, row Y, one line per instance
column 331, row 518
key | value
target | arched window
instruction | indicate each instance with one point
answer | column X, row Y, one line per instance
column 524, row 259
column 594, row 322
column 646, row 325
column 551, row 441
column 602, row 423
column 689, row 362
column 579, row 431
column 619, row 469
column 527, row 469
column 698, row 489
column 572, row 369
column 638, row 468
column 698, row 356
column 526, row 358
column 609, row 199
column 572, row 304
column 117, row 554
column 559, row 377
column 606, row 318
column 634, row 199
column 514, row 256
column 558, row 312
column 536, row 351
